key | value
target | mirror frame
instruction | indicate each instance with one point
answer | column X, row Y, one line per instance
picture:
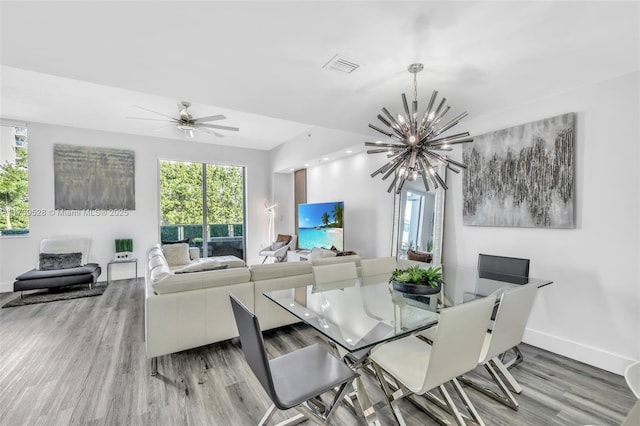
column 438, row 225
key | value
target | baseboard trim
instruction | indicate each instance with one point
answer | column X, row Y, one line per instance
column 6, row 287
column 596, row 357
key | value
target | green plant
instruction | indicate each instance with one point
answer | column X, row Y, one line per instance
column 124, row 245
column 419, row 276
column 430, row 246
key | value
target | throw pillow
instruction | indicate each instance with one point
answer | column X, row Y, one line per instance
column 277, row 245
column 176, row 254
column 186, row 240
column 53, row 261
column 283, row 238
column 202, row 265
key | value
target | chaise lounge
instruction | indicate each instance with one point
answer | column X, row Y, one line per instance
column 62, row 262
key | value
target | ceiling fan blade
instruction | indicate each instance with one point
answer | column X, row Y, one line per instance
column 209, row 131
column 163, row 127
column 215, row 126
column 155, row 112
column 209, row 118
column 152, row 119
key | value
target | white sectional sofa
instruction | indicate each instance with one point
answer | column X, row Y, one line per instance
column 184, row 311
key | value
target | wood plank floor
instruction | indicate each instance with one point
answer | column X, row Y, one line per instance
column 82, row 361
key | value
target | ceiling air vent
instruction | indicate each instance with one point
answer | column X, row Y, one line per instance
column 342, row 64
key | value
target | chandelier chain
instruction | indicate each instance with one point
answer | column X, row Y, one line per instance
column 415, row 86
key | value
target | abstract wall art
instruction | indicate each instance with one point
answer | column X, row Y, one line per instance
column 522, row 176
column 88, row 178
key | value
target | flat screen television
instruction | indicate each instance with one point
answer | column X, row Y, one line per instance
column 321, row 225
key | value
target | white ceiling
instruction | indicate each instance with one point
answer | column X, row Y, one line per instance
column 86, row 64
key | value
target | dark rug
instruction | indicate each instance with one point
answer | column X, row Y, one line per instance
column 52, row 295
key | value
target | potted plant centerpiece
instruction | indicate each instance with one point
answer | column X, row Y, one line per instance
column 417, row 280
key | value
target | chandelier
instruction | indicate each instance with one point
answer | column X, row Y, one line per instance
column 414, row 141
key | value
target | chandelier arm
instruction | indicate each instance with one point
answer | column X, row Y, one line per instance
column 457, row 163
column 392, row 119
column 428, row 169
column 453, row 169
column 432, row 127
column 436, row 114
column 397, row 163
column 425, row 181
column 379, row 130
column 435, row 174
column 406, row 107
column 438, row 144
column 382, row 150
column 384, row 121
column 446, row 139
column 401, row 184
column 434, row 95
column 395, row 179
column 450, row 124
column 382, row 169
column 388, row 145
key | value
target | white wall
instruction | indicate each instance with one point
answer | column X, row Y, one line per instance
column 592, row 311
column 368, row 208
column 284, row 218
column 19, row 254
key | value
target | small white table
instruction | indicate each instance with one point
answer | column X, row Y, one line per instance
column 119, row 261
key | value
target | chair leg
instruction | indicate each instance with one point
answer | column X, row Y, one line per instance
column 515, row 361
column 467, row 402
column 392, row 398
column 267, row 416
column 505, row 398
column 513, row 384
column 265, row 259
column 451, row 406
column 154, row 366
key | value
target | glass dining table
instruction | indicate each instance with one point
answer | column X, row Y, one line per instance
column 359, row 314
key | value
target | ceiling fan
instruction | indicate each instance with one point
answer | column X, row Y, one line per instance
column 187, row 123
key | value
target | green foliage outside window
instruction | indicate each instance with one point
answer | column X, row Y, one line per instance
column 14, row 194
column 181, row 201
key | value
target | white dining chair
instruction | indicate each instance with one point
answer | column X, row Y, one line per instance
column 632, row 377
column 417, row 367
column 377, row 270
column 334, row 276
column 508, row 328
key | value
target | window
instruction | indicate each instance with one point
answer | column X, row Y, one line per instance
column 193, row 194
column 14, row 181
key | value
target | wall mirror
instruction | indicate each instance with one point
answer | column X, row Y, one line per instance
column 418, row 220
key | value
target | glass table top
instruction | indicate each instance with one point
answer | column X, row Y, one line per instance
column 364, row 312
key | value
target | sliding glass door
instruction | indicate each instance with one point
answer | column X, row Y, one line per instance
column 205, row 204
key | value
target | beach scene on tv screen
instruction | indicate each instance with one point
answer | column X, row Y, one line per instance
column 321, row 225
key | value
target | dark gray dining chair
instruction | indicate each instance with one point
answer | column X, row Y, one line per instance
column 512, row 270
column 501, row 268
column 294, row 380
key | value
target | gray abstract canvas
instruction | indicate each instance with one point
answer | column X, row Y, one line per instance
column 93, row 178
column 522, row 176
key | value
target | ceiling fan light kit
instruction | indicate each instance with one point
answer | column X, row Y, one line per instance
column 414, row 140
column 187, row 123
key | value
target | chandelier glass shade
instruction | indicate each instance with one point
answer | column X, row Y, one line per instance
column 414, row 140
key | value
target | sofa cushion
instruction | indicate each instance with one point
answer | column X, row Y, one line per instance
column 160, row 273
column 270, row 271
column 177, row 254
column 53, row 261
column 201, row 265
column 175, row 283
column 338, row 259
column 36, row 274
